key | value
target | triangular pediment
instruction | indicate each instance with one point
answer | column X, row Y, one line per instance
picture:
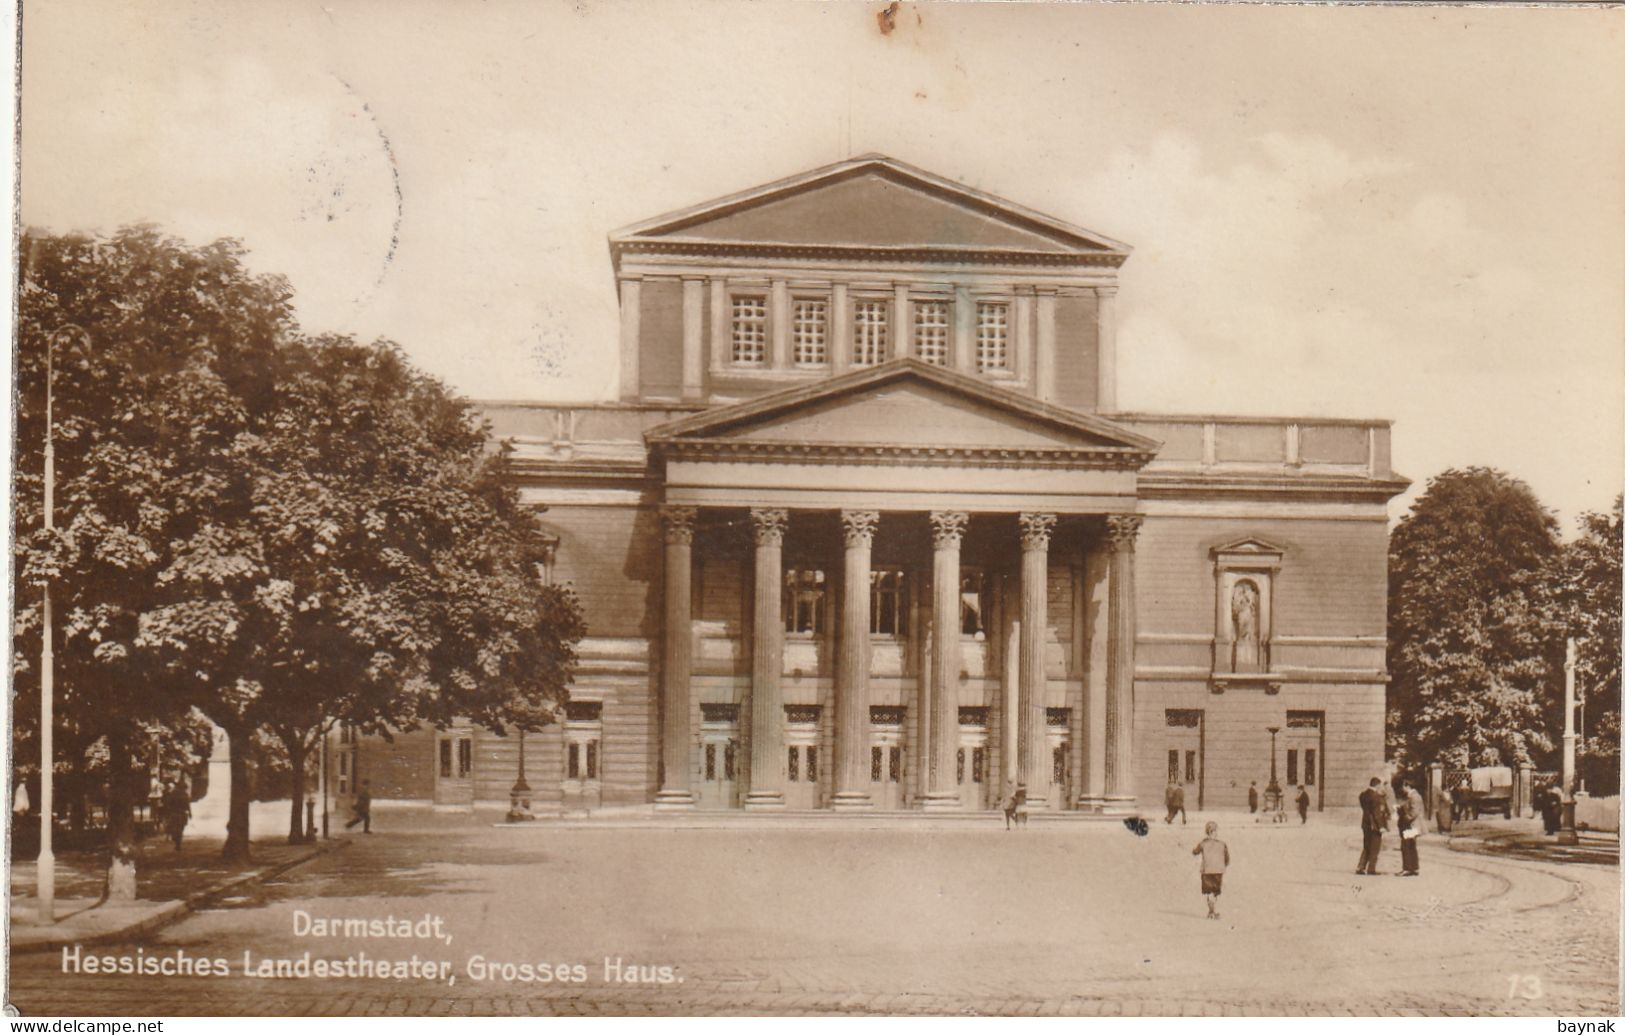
column 907, row 405
column 1250, row 552
column 872, row 202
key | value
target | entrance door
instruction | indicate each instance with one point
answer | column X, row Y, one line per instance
column 719, row 757
column 971, row 766
column 1184, row 747
column 454, row 772
column 1058, row 738
column 803, row 759
column 583, row 754
column 1305, row 756
column 887, row 758
column 1060, row 777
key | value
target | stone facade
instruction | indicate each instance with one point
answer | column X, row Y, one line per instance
column 866, row 530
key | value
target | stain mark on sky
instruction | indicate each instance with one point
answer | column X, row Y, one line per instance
column 888, row 19
column 395, row 182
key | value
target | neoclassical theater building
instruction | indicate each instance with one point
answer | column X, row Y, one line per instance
column 867, row 529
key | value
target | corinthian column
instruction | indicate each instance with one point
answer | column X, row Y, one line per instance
column 947, row 529
column 676, row 740
column 852, row 666
column 767, row 664
column 1121, row 530
column 1033, row 735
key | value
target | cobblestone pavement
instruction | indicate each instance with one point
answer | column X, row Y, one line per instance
column 1070, row 920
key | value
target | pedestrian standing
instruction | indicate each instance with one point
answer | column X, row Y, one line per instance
column 1215, row 860
column 363, row 810
column 177, row 810
column 1303, row 804
column 1174, row 798
column 1252, row 797
column 1410, row 828
column 1373, row 821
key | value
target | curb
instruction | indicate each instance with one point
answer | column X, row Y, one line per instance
column 168, row 913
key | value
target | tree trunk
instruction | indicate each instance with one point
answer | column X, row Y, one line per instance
column 77, row 792
column 120, row 819
column 294, row 741
column 237, row 846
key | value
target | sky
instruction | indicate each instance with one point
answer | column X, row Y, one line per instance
column 1406, row 213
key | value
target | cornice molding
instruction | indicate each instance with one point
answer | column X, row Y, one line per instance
column 932, row 255
column 882, row 453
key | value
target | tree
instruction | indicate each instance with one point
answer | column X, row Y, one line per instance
column 136, row 329
column 1593, row 585
column 1475, row 624
column 281, row 531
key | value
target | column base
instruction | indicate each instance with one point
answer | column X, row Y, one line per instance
column 941, row 802
column 764, row 801
column 1090, row 803
column 674, row 801
column 1120, row 805
column 851, row 801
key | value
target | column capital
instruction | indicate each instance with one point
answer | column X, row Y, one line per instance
column 1121, row 530
column 768, row 524
column 679, row 522
column 1036, row 529
column 858, row 526
column 948, row 527
column 1105, row 290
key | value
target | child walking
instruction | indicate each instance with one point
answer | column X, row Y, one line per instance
column 1215, row 857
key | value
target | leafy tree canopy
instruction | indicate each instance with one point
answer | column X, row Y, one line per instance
column 1475, row 624
column 280, row 530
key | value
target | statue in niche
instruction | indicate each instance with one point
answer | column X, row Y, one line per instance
column 1244, row 618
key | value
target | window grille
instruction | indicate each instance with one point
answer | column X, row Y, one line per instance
column 750, row 330
column 992, row 336
column 809, row 332
column 931, row 332
column 869, row 321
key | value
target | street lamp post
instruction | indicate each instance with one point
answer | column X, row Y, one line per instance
column 46, row 866
column 1566, row 834
column 1273, row 791
column 519, row 796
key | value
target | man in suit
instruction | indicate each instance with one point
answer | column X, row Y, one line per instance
column 1252, row 797
column 1373, row 821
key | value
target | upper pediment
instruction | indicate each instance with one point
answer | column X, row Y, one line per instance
column 872, row 202
column 905, row 409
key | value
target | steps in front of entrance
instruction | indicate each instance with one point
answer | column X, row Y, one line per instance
column 811, row 819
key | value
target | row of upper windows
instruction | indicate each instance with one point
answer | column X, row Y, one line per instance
column 806, row 591
column 871, row 332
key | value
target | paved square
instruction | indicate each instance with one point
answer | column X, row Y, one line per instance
column 1070, row 918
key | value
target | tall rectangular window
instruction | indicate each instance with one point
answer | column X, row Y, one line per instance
column 750, row 330
column 1292, row 765
column 931, row 332
column 888, row 603
column 592, row 759
column 804, row 601
column 809, row 332
column 992, row 336
column 445, row 759
column 869, row 325
column 1309, row 767
column 812, row 764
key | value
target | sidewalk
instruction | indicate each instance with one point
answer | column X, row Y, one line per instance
column 169, row 884
column 1526, row 839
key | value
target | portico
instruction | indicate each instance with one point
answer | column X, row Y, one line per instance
column 907, row 544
